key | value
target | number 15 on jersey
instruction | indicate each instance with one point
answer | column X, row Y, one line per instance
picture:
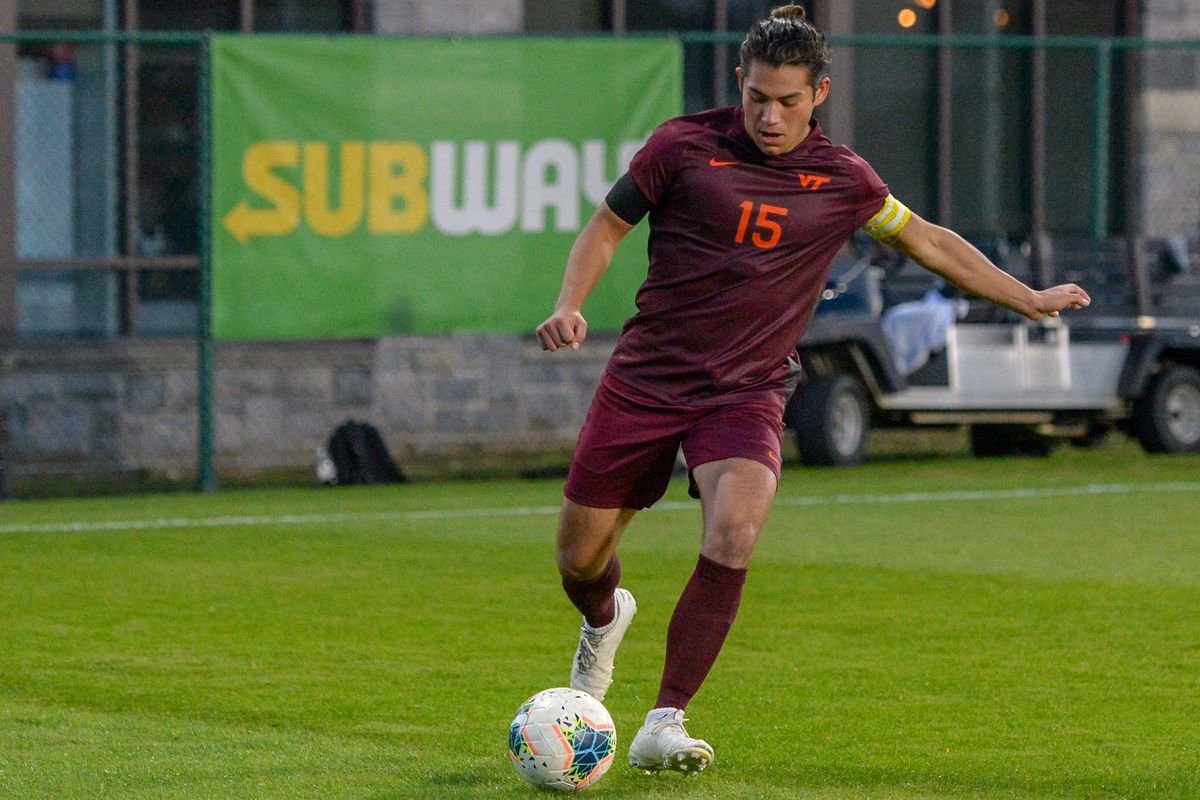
column 763, row 224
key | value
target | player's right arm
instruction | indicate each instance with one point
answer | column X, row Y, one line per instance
column 945, row 253
column 589, row 259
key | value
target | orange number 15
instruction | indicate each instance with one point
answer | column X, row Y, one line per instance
column 763, row 223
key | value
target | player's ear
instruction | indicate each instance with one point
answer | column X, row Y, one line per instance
column 822, row 91
column 741, row 76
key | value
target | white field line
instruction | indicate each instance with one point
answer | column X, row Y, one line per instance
column 84, row 526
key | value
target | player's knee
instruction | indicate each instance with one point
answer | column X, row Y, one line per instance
column 576, row 564
column 732, row 543
column 738, row 532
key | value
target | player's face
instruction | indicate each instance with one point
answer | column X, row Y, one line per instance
column 778, row 104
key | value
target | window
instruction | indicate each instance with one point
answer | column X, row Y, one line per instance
column 107, row 158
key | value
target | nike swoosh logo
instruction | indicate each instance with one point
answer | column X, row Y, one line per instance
column 712, row 162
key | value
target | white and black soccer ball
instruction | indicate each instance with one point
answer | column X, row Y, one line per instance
column 562, row 739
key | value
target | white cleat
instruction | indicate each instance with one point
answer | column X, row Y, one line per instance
column 592, row 669
column 663, row 744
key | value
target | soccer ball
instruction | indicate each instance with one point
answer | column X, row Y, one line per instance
column 562, row 739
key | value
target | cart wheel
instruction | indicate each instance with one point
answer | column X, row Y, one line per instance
column 832, row 420
column 1166, row 418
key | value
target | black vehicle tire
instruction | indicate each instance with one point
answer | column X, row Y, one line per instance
column 832, row 419
column 1166, row 418
column 993, row 440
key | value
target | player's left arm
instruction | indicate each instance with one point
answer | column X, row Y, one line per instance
column 942, row 251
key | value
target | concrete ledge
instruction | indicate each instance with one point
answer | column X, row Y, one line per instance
column 94, row 408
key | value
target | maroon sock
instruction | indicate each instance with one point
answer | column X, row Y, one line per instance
column 594, row 597
column 698, row 628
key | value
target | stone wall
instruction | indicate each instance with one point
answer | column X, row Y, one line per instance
column 1170, row 103
column 111, row 408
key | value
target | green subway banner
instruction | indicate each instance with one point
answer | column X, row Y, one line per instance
column 366, row 187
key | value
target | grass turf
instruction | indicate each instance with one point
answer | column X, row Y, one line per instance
column 998, row 647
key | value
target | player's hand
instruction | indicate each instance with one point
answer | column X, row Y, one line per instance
column 1059, row 298
column 562, row 329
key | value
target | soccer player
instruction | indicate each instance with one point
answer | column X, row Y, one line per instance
column 747, row 207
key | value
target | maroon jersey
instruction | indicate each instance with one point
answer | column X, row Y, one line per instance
column 740, row 246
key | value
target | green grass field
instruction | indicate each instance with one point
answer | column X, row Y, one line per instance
column 922, row 628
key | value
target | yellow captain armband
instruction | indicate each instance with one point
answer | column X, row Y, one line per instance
column 891, row 219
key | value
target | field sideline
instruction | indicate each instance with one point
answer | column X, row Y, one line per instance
column 912, row 628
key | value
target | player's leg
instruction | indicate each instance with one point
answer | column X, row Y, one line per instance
column 736, row 492
column 735, row 498
column 588, row 539
column 736, row 495
column 622, row 462
column 590, row 570
column 586, row 554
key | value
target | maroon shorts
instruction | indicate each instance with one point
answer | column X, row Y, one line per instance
column 627, row 447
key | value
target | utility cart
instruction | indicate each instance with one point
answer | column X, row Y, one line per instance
column 1130, row 362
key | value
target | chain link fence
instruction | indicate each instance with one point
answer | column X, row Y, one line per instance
column 104, row 146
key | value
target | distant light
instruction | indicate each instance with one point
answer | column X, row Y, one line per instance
column 907, row 18
column 1001, row 18
column 926, row 3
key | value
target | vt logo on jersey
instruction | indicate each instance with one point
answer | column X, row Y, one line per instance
column 812, row 182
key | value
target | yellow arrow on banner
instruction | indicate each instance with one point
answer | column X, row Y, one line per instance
column 258, row 166
column 244, row 221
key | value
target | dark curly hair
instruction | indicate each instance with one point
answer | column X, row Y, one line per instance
column 787, row 37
